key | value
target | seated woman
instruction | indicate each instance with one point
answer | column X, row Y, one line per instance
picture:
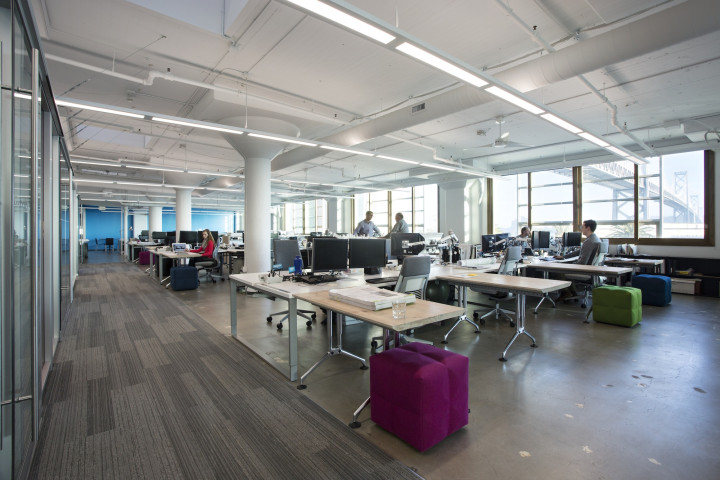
column 206, row 249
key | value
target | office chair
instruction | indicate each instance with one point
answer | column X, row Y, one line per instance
column 284, row 253
column 109, row 244
column 210, row 266
column 507, row 267
column 413, row 279
column 588, row 282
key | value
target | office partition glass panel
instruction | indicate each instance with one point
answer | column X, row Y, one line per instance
column 672, row 196
column 608, row 197
column 64, row 229
column 551, row 194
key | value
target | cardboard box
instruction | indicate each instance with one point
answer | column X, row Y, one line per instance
column 688, row 286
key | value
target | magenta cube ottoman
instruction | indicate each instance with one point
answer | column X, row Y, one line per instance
column 419, row 393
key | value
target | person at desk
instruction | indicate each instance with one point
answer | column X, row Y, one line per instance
column 366, row 227
column 206, row 249
column 524, row 238
column 401, row 225
column 588, row 246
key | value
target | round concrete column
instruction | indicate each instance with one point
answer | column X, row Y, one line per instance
column 155, row 220
column 125, row 230
column 183, row 210
column 332, row 223
column 239, row 223
column 258, row 153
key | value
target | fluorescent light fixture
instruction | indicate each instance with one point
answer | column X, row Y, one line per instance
column 439, row 167
column 305, row 182
column 592, row 138
column 205, row 126
column 355, row 152
column 617, row 151
column 283, row 140
column 395, row 159
column 514, row 99
column 561, row 123
column 441, row 64
column 82, row 106
column 338, row 16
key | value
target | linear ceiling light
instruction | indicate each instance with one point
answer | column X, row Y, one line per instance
column 202, row 125
column 356, row 152
column 338, row 16
column 561, row 123
column 439, row 167
column 617, row 151
column 284, row 140
column 395, row 159
column 441, row 64
column 514, row 99
column 592, row 138
column 82, row 106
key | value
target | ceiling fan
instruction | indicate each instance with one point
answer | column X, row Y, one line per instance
column 503, row 139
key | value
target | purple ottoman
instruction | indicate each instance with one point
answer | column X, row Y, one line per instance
column 144, row 258
column 419, row 393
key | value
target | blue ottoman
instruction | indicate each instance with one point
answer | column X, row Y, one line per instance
column 656, row 289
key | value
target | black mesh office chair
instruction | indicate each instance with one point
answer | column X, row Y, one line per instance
column 284, row 253
column 413, row 279
column 507, row 267
column 109, row 244
column 211, row 269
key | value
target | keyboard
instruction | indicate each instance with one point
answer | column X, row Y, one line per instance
column 315, row 279
column 381, row 280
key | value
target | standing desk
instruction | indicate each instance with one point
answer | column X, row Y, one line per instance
column 417, row 314
column 637, row 263
column 520, row 286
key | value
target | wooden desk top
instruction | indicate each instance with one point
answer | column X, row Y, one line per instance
column 509, row 283
column 417, row 314
column 634, row 261
column 171, row 254
column 581, row 269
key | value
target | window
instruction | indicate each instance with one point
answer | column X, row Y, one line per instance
column 510, row 204
column 551, row 207
column 421, row 214
column 671, row 197
column 425, row 212
column 608, row 197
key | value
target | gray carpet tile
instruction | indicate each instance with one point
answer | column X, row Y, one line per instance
column 143, row 388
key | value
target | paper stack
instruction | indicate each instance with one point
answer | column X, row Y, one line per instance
column 369, row 297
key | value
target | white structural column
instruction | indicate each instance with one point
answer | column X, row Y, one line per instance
column 239, row 220
column 332, row 216
column 155, row 224
column 183, row 210
column 258, row 153
column 124, row 235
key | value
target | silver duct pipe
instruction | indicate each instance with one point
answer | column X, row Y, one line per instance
column 673, row 25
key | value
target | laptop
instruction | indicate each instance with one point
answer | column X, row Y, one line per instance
column 179, row 247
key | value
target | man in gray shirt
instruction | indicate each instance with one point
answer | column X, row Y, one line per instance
column 401, row 225
column 589, row 247
column 366, row 227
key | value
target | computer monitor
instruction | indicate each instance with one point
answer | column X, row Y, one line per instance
column 490, row 243
column 188, row 236
column 367, row 253
column 571, row 239
column 159, row 235
column 284, row 253
column 329, row 254
column 396, row 244
column 540, row 239
column 215, row 234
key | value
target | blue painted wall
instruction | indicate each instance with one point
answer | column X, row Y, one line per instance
column 101, row 225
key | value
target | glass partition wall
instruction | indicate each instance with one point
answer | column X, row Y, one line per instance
column 33, row 284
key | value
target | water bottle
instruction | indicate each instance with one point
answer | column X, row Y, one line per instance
column 298, row 265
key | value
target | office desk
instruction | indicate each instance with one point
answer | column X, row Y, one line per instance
column 177, row 257
column 636, row 263
column 417, row 314
column 226, row 255
column 574, row 268
column 287, row 291
column 520, row 286
column 140, row 246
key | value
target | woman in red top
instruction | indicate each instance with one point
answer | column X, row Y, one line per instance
column 207, row 248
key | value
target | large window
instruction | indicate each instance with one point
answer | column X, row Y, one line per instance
column 671, row 197
column 510, row 204
column 608, row 197
column 419, row 206
column 551, row 204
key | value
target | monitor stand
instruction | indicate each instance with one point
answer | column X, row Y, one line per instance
column 372, row 271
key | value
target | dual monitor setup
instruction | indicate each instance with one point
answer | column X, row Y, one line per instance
column 540, row 241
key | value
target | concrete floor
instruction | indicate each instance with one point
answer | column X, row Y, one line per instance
column 592, row 401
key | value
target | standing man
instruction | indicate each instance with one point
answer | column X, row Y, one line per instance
column 401, row 225
column 366, row 227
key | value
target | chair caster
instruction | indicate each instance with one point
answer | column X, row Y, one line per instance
column 373, row 345
column 279, row 326
column 475, row 316
column 269, row 319
column 354, row 424
column 482, row 321
column 583, row 306
column 313, row 316
column 512, row 324
column 308, row 323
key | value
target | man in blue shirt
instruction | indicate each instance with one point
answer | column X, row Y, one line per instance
column 366, row 227
column 401, row 225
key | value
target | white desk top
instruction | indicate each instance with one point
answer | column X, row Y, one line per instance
column 634, row 261
column 581, row 269
column 509, row 283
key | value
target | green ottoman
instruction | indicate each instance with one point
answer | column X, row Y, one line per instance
column 617, row 305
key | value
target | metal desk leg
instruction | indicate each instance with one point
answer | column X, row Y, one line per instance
column 332, row 349
column 545, row 296
column 519, row 327
column 462, row 300
column 355, row 423
column 293, row 338
column 233, row 307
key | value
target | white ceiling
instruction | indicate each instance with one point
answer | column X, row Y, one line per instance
column 270, row 59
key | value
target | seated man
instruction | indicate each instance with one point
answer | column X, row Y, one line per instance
column 589, row 246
